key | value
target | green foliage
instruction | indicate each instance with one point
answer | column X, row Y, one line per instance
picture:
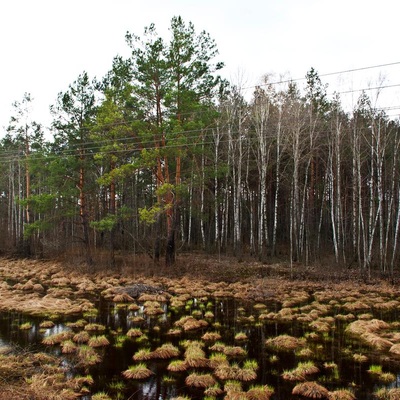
column 106, row 224
column 150, row 215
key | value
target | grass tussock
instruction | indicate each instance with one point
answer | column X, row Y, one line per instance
column 200, row 380
column 165, row 351
column 312, row 390
column 139, row 371
column 260, row 392
column 189, row 323
column 177, row 366
column 285, row 343
column 98, row 341
column 342, row 394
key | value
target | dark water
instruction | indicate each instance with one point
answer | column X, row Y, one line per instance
column 230, row 318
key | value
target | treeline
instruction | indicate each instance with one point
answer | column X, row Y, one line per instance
column 163, row 155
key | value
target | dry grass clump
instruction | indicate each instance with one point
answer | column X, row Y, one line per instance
column 26, row 375
column 200, row 380
column 211, row 336
column 195, row 356
column 139, row 371
column 68, row 347
column 368, row 331
column 123, row 298
column 311, row 389
column 213, row 391
column 156, row 297
column 57, row 338
column 81, row 337
column 234, row 351
column 218, row 346
column 234, row 391
column 360, row 358
column 152, row 308
column 356, row 305
column 285, row 343
column 166, row 350
column 301, row 372
column 388, row 394
column 217, row 359
column 98, row 341
column 143, row 355
column 395, row 349
column 376, row 341
column 177, row 366
column 174, row 332
column 134, row 332
column 189, row 323
column 323, row 324
column 341, row 394
column 26, row 326
column 259, row 392
column 225, row 371
column 79, row 324
column 93, row 327
column 46, row 324
column 87, row 356
column 241, row 336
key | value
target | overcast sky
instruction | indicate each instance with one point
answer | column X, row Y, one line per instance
column 45, row 44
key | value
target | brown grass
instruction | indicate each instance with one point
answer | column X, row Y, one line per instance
column 195, row 356
column 211, row 336
column 260, row 392
column 139, row 371
column 285, row 343
column 311, row 390
column 177, row 366
column 189, row 323
column 200, row 380
column 57, row 338
column 134, row 332
column 167, row 350
column 81, row 337
column 341, row 394
column 98, row 341
column 143, row 355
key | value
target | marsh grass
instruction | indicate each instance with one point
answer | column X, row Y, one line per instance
column 134, row 332
column 25, row 326
column 139, row 371
column 68, row 347
column 57, row 338
column 94, row 327
column 143, row 355
column 189, row 323
column 46, row 324
column 98, row 341
column 200, row 380
column 87, row 356
column 260, row 392
column 165, row 351
column 195, row 356
column 342, row 394
column 211, row 336
column 177, row 366
column 81, row 337
column 311, row 390
column 285, row 343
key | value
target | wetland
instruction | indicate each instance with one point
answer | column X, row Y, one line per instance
column 249, row 332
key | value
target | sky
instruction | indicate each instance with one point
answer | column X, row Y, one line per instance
column 46, row 44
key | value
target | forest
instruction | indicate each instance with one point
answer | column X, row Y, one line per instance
column 163, row 156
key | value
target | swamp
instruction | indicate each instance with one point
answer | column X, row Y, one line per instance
column 208, row 329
